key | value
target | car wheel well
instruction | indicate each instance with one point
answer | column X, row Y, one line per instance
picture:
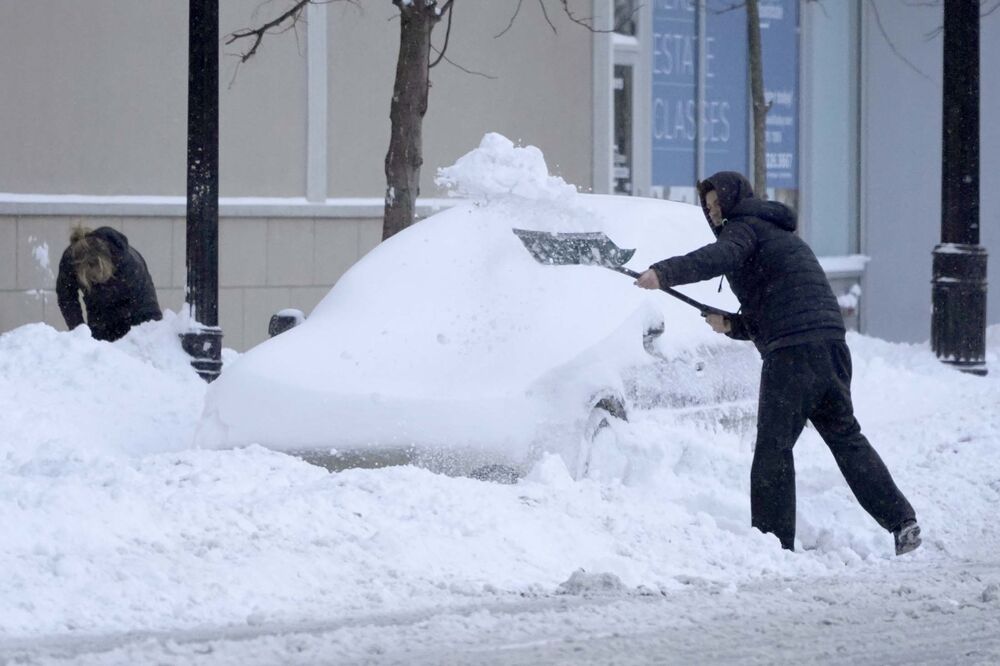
column 600, row 431
column 613, row 405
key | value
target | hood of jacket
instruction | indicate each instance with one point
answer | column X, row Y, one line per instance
column 116, row 240
column 774, row 212
column 731, row 188
column 736, row 199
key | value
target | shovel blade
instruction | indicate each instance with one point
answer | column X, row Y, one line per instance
column 559, row 249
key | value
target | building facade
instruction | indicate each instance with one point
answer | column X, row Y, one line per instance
column 92, row 131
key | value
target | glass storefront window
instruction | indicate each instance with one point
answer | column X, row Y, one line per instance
column 625, row 17
column 622, row 166
column 831, row 221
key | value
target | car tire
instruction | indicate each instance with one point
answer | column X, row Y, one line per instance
column 602, row 456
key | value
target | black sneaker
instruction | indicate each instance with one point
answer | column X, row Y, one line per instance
column 907, row 537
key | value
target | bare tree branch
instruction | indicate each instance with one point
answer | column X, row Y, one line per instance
column 292, row 15
column 577, row 20
column 586, row 22
column 822, row 7
column 726, row 10
column 888, row 40
column 466, row 69
column 517, row 10
column 931, row 34
column 545, row 13
column 447, row 34
column 448, row 7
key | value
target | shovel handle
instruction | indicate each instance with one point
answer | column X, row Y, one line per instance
column 704, row 309
column 627, row 271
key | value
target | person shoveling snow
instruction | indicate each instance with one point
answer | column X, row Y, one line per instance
column 790, row 313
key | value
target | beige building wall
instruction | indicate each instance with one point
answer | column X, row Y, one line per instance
column 93, row 131
column 530, row 84
column 265, row 265
column 95, row 101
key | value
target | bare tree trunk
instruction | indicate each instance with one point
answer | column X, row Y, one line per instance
column 760, row 107
column 409, row 104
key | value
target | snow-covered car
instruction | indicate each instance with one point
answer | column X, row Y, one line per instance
column 449, row 346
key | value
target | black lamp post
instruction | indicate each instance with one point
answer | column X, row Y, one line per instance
column 203, row 340
column 958, row 324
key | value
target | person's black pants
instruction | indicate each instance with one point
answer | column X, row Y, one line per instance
column 813, row 381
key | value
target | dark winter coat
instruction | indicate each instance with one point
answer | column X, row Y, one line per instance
column 127, row 299
column 784, row 294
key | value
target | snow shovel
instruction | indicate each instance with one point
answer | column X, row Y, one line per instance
column 591, row 249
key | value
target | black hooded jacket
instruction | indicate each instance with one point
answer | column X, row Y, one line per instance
column 113, row 307
column 784, row 294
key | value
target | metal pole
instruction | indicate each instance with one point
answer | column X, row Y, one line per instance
column 203, row 340
column 958, row 323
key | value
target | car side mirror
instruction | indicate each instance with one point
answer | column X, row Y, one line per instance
column 283, row 320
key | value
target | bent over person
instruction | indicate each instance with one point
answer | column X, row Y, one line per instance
column 117, row 288
column 788, row 310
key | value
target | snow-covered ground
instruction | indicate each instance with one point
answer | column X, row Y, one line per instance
column 113, row 524
column 121, row 540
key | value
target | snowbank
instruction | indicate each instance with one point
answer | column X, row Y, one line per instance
column 67, row 394
column 111, row 524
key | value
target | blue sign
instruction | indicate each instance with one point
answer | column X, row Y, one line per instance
column 675, row 63
column 679, row 121
column 722, row 122
column 779, row 36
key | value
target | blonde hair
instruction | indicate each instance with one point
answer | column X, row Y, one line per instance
column 91, row 258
